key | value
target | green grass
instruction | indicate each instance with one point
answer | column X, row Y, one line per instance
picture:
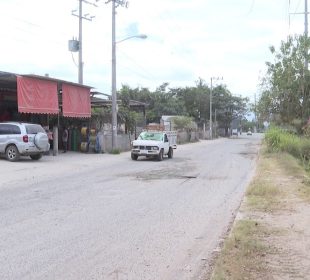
column 279, row 175
column 263, row 196
column 242, row 251
column 278, row 140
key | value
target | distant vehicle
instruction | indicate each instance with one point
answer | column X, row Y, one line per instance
column 234, row 131
column 154, row 144
column 22, row 139
column 249, row 132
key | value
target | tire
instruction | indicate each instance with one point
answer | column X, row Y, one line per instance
column 12, row 153
column 41, row 140
column 36, row 156
column 134, row 157
column 160, row 155
column 170, row 153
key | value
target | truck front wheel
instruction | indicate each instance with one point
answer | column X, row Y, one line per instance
column 134, row 157
column 170, row 153
column 160, row 155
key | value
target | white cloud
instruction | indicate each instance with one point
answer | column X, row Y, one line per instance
column 186, row 40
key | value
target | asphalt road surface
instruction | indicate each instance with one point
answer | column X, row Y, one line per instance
column 89, row 216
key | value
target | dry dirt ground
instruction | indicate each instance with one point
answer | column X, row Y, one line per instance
column 289, row 224
column 286, row 218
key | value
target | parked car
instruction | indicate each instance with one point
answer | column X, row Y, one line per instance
column 22, row 139
column 249, row 132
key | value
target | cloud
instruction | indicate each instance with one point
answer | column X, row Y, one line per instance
column 186, row 40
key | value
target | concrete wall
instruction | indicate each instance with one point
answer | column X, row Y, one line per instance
column 124, row 140
column 186, row 137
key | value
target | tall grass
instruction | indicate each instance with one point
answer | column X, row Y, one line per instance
column 279, row 140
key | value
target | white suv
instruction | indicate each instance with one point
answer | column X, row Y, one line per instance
column 22, row 139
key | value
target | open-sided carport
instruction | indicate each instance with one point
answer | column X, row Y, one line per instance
column 35, row 98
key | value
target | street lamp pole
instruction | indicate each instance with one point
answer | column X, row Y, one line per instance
column 114, row 108
column 115, row 4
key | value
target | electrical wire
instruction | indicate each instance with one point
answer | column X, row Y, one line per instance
column 293, row 14
column 74, row 60
column 146, row 74
column 251, row 8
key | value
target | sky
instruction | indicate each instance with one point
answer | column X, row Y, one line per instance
column 186, row 41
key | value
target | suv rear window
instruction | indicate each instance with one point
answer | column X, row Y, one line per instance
column 9, row 129
column 34, row 128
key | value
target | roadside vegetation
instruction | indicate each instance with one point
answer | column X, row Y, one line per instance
column 258, row 236
column 271, row 232
column 192, row 103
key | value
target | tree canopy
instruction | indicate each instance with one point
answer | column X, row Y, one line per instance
column 192, row 102
column 285, row 87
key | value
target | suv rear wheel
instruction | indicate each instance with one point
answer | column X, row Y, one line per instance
column 36, row 156
column 12, row 153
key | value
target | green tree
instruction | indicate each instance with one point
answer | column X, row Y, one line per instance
column 196, row 101
column 228, row 107
column 191, row 102
column 285, row 95
column 183, row 123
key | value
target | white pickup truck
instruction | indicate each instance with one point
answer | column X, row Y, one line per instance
column 154, row 144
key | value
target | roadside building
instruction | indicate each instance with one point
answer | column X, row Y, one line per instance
column 53, row 103
column 56, row 103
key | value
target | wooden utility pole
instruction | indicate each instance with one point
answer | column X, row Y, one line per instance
column 80, row 48
column 306, row 34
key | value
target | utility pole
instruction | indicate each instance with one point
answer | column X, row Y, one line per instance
column 115, row 4
column 212, row 78
column 80, row 44
column 80, row 40
column 305, row 13
column 255, row 121
column 211, row 110
column 306, row 34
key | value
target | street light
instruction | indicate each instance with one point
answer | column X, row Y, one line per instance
column 115, row 4
column 216, row 79
column 140, row 36
column 114, row 98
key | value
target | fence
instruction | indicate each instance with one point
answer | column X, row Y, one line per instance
column 124, row 140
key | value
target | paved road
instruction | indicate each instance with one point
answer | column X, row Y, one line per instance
column 79, row 216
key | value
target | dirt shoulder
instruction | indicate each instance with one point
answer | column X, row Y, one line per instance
column 270, row 238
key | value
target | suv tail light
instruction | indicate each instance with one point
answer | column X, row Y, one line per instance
column 25, row 138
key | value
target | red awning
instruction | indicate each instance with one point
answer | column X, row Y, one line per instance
column 76, row 101
column 37, row 96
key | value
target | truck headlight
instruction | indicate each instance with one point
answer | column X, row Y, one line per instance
column 154, row 148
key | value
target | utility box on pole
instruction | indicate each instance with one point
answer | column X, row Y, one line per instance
column 74, row 45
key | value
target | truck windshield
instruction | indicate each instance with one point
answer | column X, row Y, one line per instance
column 151, row 136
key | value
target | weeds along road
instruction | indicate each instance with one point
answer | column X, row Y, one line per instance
column 90, row 216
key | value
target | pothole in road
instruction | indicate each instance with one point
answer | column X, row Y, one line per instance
column 165, row 174
column 250, row 155
column 176, row 172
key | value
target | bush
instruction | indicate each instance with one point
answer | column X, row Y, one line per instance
column 272, row 139
column 290, row 143
column 278, row 140
column 305, row 149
